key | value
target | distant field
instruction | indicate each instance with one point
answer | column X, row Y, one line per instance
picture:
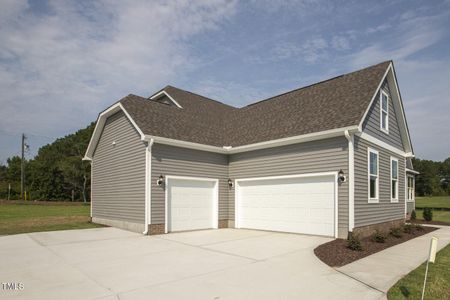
column 21, row 217
column 433, row 201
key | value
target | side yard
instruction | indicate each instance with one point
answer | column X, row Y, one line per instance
column 21, row 217
column 440, row 205
column 438, row 282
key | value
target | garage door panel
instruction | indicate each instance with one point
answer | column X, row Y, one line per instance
column 301, row 205
column 191, row 204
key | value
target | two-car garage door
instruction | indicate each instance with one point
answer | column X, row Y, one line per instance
column 299, row 204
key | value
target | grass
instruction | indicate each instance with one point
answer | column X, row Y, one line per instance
column 34, row 216
column 443, row 201
column 438, row 215
column 438, row 280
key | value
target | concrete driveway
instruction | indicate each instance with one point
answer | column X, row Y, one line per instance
column 108, row 263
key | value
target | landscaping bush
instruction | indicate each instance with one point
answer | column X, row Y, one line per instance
column 396, row 232
column 427, row 214
column 379, row 237
column 354, row 243
column 408, row 228
column 413, row 215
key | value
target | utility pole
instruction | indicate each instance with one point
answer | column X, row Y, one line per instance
column 22, row 167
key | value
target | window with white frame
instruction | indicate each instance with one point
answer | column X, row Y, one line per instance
column 384, row 111
column 394, row 179
column 373, row 175
column 410, row 188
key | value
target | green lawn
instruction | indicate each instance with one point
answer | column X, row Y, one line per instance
column 438, row 280
column 443, row 201
column 34, row 216
column 438, row 215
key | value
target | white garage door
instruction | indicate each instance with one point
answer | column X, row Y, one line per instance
column 295, row 204
column 192, row 204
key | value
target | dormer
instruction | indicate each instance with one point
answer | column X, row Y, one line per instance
column 164, row 98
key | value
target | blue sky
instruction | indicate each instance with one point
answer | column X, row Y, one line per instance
column 61, row 62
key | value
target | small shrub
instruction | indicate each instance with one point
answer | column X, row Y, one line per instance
column 413, row 215
column 396, row 232
column 354, row 243
column 427, row 214
column 419, row 227
column 408, row 228
column 379, row 237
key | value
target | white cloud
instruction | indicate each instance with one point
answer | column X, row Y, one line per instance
column 59, row 69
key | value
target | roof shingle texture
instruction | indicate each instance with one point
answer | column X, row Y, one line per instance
column 334, row 103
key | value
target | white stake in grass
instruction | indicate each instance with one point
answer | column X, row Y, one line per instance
column 431, row 258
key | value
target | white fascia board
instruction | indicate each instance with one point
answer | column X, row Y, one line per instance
column 101, row 120
column 156, row 96
column 382, row 144
column 412, row 171
column 268, row 144
column 294, row 140
column 185, row 144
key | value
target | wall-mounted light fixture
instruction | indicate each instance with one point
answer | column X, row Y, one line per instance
column 114, row 143
column 230, row 183
column 160, row 180
column 341, row 176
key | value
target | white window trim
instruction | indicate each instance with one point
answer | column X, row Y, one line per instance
column 413, row 188
column 376, row 199
column 394, row 200
column 385, row 130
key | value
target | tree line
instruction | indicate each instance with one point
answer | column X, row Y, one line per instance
column 58, row 172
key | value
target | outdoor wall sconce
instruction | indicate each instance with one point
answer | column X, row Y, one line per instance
column 230, row 183
column 160, row 180
column 341, row 176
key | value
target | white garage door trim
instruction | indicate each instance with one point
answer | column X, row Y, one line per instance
column 238, row 196
column 215, row 218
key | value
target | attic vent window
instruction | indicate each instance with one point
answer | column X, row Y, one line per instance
column 165, row 98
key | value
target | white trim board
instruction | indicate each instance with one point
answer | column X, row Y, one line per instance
column 303, row 175
column 215, row 218
column 351, row 180
column 382, row 144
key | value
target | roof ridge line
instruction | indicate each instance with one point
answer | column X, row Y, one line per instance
column 313, row 84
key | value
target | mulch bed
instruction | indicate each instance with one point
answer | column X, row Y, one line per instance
column 429, row 222
column 336, row 253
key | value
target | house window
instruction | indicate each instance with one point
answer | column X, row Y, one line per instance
column 410, row 188
column 373, row 175
column 384, row 112
column 394, row 179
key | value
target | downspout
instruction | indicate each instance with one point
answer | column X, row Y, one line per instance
column 148, row 183
column 351, row 181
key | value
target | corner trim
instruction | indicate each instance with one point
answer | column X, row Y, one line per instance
column 148, row 185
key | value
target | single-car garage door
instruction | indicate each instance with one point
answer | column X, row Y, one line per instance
column 191, row 203
column 299, row 204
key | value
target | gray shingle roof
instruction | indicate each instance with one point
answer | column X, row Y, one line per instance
column 334, row 103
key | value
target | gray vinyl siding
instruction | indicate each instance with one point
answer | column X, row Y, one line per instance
column 312, row 157
column 372, row 213
column 118, row 185
column 371, row 124
column 169, row 160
